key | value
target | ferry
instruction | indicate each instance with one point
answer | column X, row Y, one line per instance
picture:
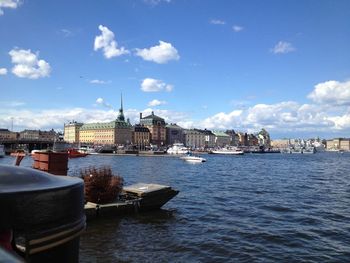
column 229, row 151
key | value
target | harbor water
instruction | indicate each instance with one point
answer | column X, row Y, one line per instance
column 250, row 208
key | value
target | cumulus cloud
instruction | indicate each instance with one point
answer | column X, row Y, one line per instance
column 13, row 4
column 160, row 54
column 155, row 85
column 331, row 92
column 28, row 65
column 237, row 28
column 217, row 22
column 97, row 81
column 107, row 43
column 3, row 71
column 280, row 117
column 102, row 102
column 282, row 48
column 155, row 102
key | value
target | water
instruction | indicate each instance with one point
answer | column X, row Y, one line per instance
column 250, row 208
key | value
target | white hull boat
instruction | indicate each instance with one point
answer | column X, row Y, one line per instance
column 193, row 159
column 228, row 151
column 178, row 148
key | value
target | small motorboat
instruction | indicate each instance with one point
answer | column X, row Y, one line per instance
column 193, row 159
column 74, row 153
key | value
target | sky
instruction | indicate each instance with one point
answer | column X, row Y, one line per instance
column 215, row 64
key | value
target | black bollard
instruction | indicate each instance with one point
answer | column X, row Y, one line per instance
column 44, row 213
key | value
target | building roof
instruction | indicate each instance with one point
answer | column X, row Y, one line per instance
column 105, row 125
column 152, row 116
column 173, row 126
column 220, row 134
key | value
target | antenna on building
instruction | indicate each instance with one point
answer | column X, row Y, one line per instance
column 12, row 124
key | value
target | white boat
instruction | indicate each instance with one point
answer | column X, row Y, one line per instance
column 231, row 151
column 178, row 148
column 87, row 149
column 319, row 147
column 309, row 150
column 2, row 150
column 193, row 159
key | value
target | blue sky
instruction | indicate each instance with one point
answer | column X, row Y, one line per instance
column 244, row 65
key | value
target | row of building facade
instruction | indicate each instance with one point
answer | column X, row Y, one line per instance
column 28, row 135
column 153, row 130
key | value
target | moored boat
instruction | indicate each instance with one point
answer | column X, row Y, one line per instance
column 138, row 197
column 73, row 153
column 178, row 148
column 228, row 151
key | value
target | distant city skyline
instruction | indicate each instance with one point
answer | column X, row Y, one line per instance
column 243, row 65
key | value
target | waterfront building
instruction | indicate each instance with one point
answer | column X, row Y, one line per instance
column 174, row 134
column 243, row 139
column 6, row 135
column 280, row 144
column 48, row 135
column 209, row 138
column 221, row 138
column 252, row 140
column 156, row 126
column 338, row 144
column 264, row 139
column 71, row 131
column 234, row 138
column 117, row 132
column 193, row 138
column 141, row 137
column 29, row 135
column 199, row 139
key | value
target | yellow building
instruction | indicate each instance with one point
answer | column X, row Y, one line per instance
column 338, row 144
column 117, row 132
column 141, row 136
column 6, row 135
column 71, row 132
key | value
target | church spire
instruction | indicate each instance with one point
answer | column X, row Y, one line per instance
column 121, row 114
column 121, row 101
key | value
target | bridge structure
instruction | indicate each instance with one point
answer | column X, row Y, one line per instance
column 26, row 144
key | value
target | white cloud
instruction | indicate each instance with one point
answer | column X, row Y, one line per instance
column 156, row 102
column 28, row 65
column 13, row 4
column 66, row 32
column 101, row 101
column 3, row 71
column 331, row 92
column 283, row 48
column 156, row 2
column 155, row 85
column 160, row 54
column 106, row 42
column 217, row 22
column 237, row 28
column 97, row 81
column 11, row 104
column 281, row 117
